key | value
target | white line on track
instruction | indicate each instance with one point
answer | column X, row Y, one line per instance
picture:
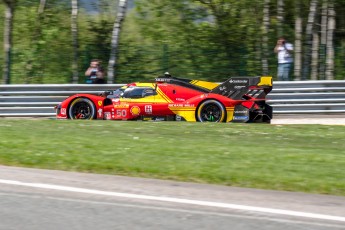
column 189, row 211
column 175, row 200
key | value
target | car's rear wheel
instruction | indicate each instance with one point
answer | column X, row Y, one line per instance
column 82, row 108
column 211, row 111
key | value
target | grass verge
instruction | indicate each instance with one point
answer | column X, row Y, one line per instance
column 306, row 158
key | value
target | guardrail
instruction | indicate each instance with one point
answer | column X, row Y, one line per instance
column 40, row 100
column 303, row 97
column 295, row 97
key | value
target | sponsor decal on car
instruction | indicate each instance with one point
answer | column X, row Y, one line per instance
column 148, row 109
column 135, row 110
column 176, row 105
column 241, row 117
column 163, row 79
column 159, row 119
column 238, row 81
column 189, row 105
column 107, row 115
column 121, row 106
column 63, row 111
column 100, row 103
column 100, row 112
column 241, row 111
column 181, row 105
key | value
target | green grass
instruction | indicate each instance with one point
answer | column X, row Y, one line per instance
column 306, row 158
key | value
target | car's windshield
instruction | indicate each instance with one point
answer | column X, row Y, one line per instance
column 118, row 93
column 133, row 92
column 138, row 92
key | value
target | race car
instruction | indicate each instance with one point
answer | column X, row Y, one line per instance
column 238, row 99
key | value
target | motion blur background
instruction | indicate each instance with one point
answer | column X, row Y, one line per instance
column 200, row 39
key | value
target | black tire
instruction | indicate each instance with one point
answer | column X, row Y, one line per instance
column 82, row 108
column 211, row 111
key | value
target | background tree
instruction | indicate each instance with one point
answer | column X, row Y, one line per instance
column 201, row 39
column 115, row 39
column 74, row 30
column 308, row 39
column 323, row 39
column 265, row 31
column 33, row 64
column 298, row 40
column 315, row 55
column 280, row 17
column 42, row 44
column 329, row 42
column 9, row 11
column 95, row 29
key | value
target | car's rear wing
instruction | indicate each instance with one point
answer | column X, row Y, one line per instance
column 238, row 87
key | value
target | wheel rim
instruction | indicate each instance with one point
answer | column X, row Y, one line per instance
column 81, row 110
column 211, row 112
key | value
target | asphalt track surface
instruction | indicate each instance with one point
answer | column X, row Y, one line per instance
column 37, row 199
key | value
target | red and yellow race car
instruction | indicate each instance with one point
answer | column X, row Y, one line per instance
column 238, row 99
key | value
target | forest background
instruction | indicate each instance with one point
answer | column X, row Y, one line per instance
column 53, row 41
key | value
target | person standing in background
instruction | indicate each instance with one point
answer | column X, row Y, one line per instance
column 95, row 73
column 284, row 51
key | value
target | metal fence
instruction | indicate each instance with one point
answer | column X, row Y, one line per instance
column 294, row 97
column 39, row 100
column 316, row 97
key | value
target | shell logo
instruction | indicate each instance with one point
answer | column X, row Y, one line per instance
column 135, row 110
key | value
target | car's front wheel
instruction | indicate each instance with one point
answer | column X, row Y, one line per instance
column 82, row 108
column 211, row 111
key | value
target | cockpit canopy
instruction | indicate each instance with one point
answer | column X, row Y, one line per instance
column 133, row 92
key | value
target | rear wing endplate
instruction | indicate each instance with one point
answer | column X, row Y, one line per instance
column 236, row 87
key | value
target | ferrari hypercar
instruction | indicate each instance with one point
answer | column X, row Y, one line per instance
column 238, row 99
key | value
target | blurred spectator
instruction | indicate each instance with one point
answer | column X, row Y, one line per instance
column 95, row 73
column 284, row 51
